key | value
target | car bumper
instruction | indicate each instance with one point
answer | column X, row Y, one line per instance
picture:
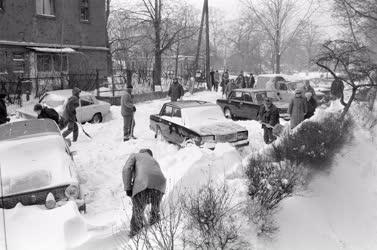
column 212, row 145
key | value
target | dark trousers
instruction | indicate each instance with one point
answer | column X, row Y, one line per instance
column 128, row 126
column 139, row 202
column 72, row 127
column 268, row 135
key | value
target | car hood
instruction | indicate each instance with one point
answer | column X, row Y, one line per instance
column 34, row 163
column 219, row 128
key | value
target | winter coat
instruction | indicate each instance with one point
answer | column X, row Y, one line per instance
column 312, row 105
column 297, row 109
column 47, row 113
column 229, row 87
column 225, row 76
column 127, row 105
column 3, row 112
column 175, row 91
column 252, row 82
column 142, row 171
column 69, row 113
column 306, row 89
column 217, row 77
column 270, row 116
column 241, row 81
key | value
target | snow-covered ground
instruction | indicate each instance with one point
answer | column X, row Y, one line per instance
column 337, row 212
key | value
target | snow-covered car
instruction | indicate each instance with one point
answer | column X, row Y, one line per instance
column 37, row 166
column 198, row 122
column 90, row 110
column 245, row 104
column 277, row 85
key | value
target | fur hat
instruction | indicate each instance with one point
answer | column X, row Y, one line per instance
column 308, row 94
column 76, row 91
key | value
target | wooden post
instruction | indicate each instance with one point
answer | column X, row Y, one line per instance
column 208, row 63
column 196, row 63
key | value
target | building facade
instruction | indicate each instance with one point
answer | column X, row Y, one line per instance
column 45, row 38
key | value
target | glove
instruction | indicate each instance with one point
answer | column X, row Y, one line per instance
column 129, row 193
column 134, row 109
column 8, row 119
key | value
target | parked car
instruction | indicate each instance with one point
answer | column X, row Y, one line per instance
column 36, row 163
column 90, row 110
column 198, row 122
column 277, row 83
column 245, row 104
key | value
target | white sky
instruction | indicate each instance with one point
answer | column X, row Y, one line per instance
column 232, row 9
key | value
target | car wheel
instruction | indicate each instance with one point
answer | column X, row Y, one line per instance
column 159, row 135
column 97, row 118
column 227, row 113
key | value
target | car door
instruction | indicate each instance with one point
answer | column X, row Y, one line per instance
column 86, row 109
column 165, row 121
column 235, row 102
column 249, row 108
column 176, row 127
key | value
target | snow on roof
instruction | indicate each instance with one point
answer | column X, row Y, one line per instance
column 53, row 50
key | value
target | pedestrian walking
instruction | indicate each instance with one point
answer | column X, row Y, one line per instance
column 268, row 115
column 311, row 104
column 128, row 110
column 3, row 109
column 217, row 80
column 145, row 183
column 308, row 88
column 47, row 113
column 212, row 79
column 240, row 81
column 69, row 115
column 176, row 91
column 297, row 109
column 252, row 81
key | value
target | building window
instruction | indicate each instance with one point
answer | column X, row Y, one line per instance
column 52, row 63
column 45, row 7
column 18, row 63
column 84, row 10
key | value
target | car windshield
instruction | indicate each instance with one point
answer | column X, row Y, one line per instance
column 52, row 100
column 200, row 116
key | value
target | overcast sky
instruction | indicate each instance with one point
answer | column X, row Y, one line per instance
column 232, row 8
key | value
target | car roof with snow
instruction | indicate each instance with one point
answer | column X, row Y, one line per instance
column 190, row 104
column 250, row 90
column 27, row 128
column 67, row 93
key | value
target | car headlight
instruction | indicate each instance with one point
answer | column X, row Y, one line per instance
column 208, row 138
column 242, row 135
column 72, row 192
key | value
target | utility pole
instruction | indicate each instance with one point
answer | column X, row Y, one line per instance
column 205, row 18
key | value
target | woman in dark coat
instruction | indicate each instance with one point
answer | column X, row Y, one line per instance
column 3, row 110
column 311, row 105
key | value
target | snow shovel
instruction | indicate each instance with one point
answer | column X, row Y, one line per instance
column 83, row 130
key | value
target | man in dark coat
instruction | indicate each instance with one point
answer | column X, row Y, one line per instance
column 47, row 113
column 145, row 183
column 251, row 81
column 240, row 81
column 69, row 114
column 128, row 110
column 176, row 91
column 268, row 115
column 212, row 76
column 3, row 109
column 311, row 105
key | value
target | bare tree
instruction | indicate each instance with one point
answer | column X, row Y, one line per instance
column 281, row 20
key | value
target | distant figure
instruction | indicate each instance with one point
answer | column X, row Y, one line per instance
column 176, row 91
column 240, row 81
column 311, row 103
column 308, row 88
column 224, row 80
column 217, row 81
column 69, row 114
column 268, row 115
column 212, row 76
column 3, row 109
column 145, row 183
column 128, row 110
column 252, row 81
column 191, row 85
column 229, row 87
column 47, row 113
column 297, row 109
column 371, row 97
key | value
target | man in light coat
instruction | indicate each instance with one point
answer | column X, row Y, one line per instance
column 297, row 108
column 128, row 109
column 145, row 183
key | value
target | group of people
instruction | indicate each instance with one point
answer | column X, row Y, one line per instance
column 241, row 81
column 301, row 107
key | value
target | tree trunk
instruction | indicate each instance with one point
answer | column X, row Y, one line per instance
column 347, row 107
column 157, row 70
column 177, row 59
column 208, row 52
column 157, row 49
column 109, row 56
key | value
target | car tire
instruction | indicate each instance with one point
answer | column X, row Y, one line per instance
column 97, row 118
column 228, row 113
column 159, row 135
